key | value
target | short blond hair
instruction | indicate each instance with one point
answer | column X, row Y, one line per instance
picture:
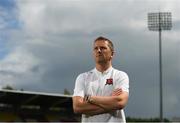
column 110, row 44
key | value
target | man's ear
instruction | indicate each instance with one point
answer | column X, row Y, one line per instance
column 112, row 53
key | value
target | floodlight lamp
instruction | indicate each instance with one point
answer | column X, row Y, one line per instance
column 159, row 21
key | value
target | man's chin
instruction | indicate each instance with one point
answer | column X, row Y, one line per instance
column 101, row 61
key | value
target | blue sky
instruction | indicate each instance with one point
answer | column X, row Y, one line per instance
column 8, row 21
column 45, row 44
column 8, row 4
column 8, row 11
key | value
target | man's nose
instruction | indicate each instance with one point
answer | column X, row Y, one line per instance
column 99, row 50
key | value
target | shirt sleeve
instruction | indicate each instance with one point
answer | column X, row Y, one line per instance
column 79, row 86
column 122, row 81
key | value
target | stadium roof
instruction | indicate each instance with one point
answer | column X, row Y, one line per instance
column 16, row 98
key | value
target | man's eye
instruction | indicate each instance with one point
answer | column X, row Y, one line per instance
column 95, row 48
column 103, row 48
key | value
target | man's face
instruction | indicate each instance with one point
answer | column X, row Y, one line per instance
column 102, row 52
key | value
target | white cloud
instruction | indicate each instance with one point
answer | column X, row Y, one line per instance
column 15, row 66
column 18, row 61
column 59, row 17
column 31, row 14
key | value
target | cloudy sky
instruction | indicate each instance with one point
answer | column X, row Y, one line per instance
column 45, row 44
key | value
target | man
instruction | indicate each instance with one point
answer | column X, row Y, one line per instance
column 101, row 94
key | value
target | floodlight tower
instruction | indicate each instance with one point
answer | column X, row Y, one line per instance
column 158, row 22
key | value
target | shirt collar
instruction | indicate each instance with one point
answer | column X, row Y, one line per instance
column 105, row 72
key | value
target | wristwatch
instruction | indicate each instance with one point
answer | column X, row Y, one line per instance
column 90, row 100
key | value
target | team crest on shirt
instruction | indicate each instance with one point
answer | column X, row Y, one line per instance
column 109, row 81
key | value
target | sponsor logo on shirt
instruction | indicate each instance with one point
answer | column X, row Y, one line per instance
column 109, row 81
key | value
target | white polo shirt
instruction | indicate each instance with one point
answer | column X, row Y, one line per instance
column 102, row 84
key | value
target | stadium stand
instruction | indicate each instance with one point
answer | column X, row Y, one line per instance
column 25, row 106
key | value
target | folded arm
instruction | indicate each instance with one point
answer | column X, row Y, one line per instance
column 100, row 104
column 83, row 107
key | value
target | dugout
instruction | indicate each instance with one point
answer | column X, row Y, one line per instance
column 26, row 106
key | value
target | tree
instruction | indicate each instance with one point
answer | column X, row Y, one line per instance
column 66, row 92
column 8, row 87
